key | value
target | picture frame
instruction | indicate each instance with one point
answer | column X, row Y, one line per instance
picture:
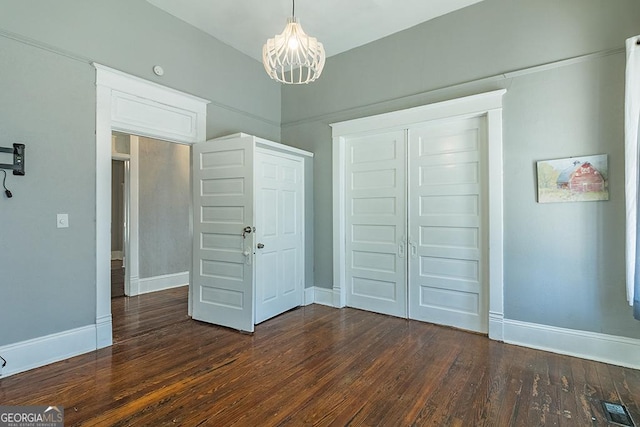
column 573, row 179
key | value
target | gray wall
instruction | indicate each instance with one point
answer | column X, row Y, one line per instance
column 48, row 275
column 563, row 262
column 165, row 240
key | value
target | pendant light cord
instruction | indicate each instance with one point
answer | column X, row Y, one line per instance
column 293, row 11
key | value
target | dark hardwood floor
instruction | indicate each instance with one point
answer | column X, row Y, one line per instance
column 315, row 366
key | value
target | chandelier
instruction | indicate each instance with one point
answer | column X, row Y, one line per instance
column 293, row 57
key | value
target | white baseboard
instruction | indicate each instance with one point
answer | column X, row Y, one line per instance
column 496, row 326
column 52, row 348
column 318, row 295
column 160, row 283
column 116, row 254
column 309, row 295
column 134, row 287
column 611, row 349
column 323, row 296
column 104, row 331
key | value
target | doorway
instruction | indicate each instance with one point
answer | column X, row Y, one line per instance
column 125, row 261
column 150, row 237
column 135, row 106
column 118, row 215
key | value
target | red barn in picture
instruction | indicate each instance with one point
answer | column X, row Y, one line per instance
column 581, row 178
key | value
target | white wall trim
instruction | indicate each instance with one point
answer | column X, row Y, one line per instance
column 318, row 295
column 473, row 105
column 104, row 328
column 134, row 286
column 496, row 326
column 309, row 295
column 611, row 349
column 488, row 105
column 324, row 296
column 132, row 238
column 495, row 221
column 339, row 224
column 165, row 281
column 52, row 348
column 136, row 106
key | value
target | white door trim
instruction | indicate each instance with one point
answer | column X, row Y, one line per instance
column 132, row 260
column 486, row 104
column 131, row 241
column 136, row 106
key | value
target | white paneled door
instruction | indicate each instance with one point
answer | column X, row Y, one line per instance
column 447, row 258
column 279, row 233
column 222, row 282
column 415, row 218
column 376, row 223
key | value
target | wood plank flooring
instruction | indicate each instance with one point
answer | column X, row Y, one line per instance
column 315, row 366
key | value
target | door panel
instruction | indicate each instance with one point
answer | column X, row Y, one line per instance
column 376, row 223
column 447, row 282
column 222, row 290
column 279, row 263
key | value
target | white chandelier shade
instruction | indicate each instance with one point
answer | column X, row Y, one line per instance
column 293, row 57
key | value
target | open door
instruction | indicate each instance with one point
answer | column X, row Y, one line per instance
column 280, row 241
column 222, row 284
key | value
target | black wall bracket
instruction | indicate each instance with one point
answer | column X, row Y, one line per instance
column 18, row 159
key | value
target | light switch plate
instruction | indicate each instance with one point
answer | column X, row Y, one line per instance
column 62, row 220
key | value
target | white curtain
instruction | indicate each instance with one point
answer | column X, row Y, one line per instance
column 632, row 118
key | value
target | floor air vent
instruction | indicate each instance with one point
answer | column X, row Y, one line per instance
column 617, row 414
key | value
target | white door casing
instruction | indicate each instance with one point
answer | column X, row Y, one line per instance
column 375, row 220
column 447, row 244
column 223, row 238
column 488, row 105
column 136, row 106
column 279, row 240
column 131, row 242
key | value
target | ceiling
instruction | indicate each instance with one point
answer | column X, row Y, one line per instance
column 339, row 24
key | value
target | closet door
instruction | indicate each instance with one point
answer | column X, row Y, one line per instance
column 376, row 223
column 279, row 233
column 447, row 246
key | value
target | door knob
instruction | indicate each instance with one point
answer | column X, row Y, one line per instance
column 260, row 246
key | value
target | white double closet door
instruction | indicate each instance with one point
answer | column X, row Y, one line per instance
column 416, row 221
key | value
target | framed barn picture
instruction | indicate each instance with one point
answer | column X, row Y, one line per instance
column 573, row 179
